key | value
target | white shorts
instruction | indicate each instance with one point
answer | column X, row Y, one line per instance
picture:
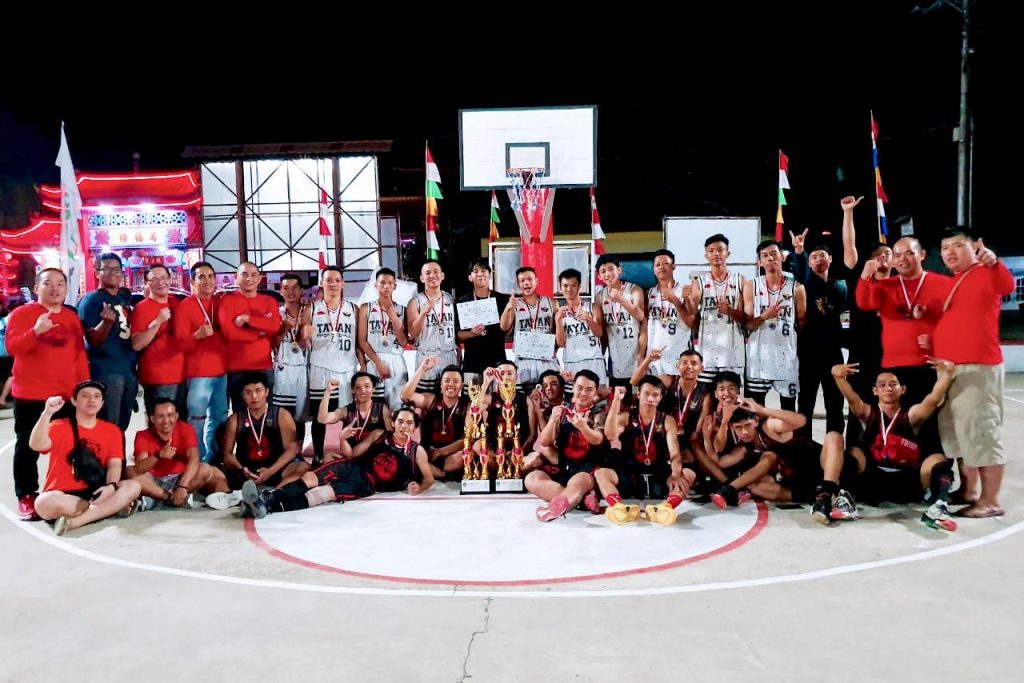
column 595, row 365
column 291, row 390
column 530, row 369
column 318, row 378
column 390, row 389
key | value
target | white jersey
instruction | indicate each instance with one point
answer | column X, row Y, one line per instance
column 665, row 331
column 538, row 318
column 380, row 333
column 334, row 338
column 623, row 332
column 580, row 342
column 771, row 349
column 719, row 338
column 288, row 352
column 438, row 333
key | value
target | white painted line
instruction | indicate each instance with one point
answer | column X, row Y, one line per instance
column 33, row 529
column 1015, row 400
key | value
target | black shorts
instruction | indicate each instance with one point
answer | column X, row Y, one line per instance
column 803, row 482
column 346, row 478
column 236, row 478
column 634, row 485
column 571, row 469
column 875, row 485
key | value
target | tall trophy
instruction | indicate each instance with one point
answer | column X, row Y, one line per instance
column 509, row 478
column 475, row 477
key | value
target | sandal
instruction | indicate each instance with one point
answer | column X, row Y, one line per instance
column 975, row 512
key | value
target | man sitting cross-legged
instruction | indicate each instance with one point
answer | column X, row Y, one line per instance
column 90, row 489
column 392, row 463
column 646, row 458
column 167, row 463
column 577, row 434
column 889, row 460
column 259, row 443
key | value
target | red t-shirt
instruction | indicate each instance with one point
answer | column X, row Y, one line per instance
column 50, row 364
column 206, row 357
column 249, row 347
column 162, row 362
column 105, row 440
column 899, row 335
column 149, row 443
column 969, row 330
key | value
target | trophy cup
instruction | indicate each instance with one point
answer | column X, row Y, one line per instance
column 509, row 478
column 474, row 479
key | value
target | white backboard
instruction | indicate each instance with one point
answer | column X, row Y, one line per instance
column 560, row 140
column 684, row 237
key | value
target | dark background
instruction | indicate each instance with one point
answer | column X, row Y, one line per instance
column 693, row 104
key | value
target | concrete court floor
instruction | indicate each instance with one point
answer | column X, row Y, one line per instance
column 881, row 599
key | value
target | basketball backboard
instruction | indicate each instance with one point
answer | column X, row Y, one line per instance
column 560, row 142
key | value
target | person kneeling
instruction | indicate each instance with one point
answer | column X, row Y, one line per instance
column 389, row 464
column 86, row 454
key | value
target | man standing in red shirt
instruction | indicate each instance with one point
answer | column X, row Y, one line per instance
column 248, row 321
column 45, row 340
column 161, row 362
column 197, row 331
column 968, row 334
column 910, row 305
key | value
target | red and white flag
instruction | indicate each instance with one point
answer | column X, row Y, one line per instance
column 325, row 231
column 597, row 234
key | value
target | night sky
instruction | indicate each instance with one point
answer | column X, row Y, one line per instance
column 692, row 108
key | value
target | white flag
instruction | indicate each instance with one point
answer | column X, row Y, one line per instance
column 71, row 256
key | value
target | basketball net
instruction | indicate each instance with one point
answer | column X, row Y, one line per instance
column 531, row 203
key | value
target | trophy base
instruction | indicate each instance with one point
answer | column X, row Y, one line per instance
column 475, row 486
column 509, row 486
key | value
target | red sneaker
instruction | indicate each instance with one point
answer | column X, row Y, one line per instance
column 27, row 509
column 558, row 506
column 592, row 503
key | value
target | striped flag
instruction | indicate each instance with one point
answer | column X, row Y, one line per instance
column 325, row 231
column 783, row 185
column 493, row 237
column 596, row 233
column 880, row 199
column 71, row 206
column 433, row 192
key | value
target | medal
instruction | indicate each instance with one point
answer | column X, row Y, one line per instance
column 719, row 316
column 385, row 343
column 771, row 326
column 914, row 310
column 295, row 347
column 334, row 336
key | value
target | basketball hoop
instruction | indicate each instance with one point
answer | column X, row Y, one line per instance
column 525, row 186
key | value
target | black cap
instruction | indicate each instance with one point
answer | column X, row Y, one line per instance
column 90, row 383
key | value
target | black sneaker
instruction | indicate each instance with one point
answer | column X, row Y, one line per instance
column 822, row 510
column 726, row 496
column 252, row 504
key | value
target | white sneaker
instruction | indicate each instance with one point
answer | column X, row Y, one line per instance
column 223, row 501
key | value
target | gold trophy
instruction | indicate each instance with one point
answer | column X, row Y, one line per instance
column 474, row 478
column 510, row 478
column 499, row 452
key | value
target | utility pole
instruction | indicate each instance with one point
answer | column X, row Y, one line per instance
column 963, row 135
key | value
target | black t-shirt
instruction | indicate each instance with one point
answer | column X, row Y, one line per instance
column 487, row 350
column 826, row 301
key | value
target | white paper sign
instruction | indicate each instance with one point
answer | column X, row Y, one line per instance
column 479, row 312
column 403, row 294
column 538, row 345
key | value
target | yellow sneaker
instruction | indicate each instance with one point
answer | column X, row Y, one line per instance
column 662, row 513
column 621, row 513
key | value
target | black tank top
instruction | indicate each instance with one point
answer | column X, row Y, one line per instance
column 522, row 415
column 897, row 448
column 375, row 421
column 648, row 447
column 270, row 446
column 688, row 412
column 389, row 467
column 441, row 425
column 572, row 445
